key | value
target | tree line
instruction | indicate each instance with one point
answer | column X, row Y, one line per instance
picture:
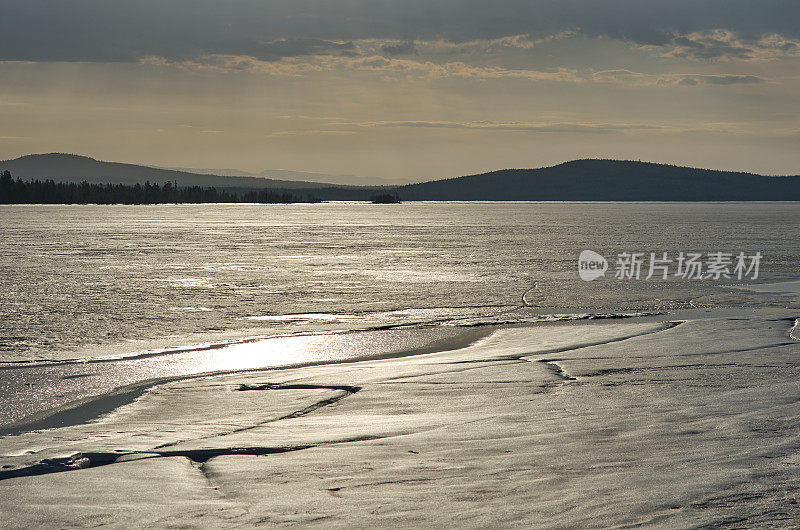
column 18, row 191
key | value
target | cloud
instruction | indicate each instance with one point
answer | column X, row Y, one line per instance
column 220, row 63
column 723, row 79
column 726, row 45
column 276, row 50
column 555, row 127
column 590, row 128
column 400, row 48
column 518, row 42
column 421, row 69
column 376, row 63
column 104, row 30
column 690, row 80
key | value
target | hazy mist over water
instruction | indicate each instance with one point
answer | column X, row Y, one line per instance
column 92, row 281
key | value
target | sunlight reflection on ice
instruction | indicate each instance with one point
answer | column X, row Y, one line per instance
column 26, row 390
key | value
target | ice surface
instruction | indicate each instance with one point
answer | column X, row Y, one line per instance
column 586, row 424
column 92, row 281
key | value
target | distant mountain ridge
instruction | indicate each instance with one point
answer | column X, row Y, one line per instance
column 607, row 180
column 306, row 176
column 578, row 180
column 63, row 167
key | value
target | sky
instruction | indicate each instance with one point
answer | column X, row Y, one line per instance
column 403, row 89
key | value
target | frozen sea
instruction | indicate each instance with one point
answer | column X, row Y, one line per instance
column 98, row 298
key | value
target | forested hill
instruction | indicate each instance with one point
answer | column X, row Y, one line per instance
column 579, row 180
column 18, row 191
column 61, row 167
column 607, row 180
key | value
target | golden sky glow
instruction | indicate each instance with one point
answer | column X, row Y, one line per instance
column 403, row 90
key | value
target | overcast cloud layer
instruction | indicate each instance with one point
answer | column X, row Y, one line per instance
column 126, row 30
